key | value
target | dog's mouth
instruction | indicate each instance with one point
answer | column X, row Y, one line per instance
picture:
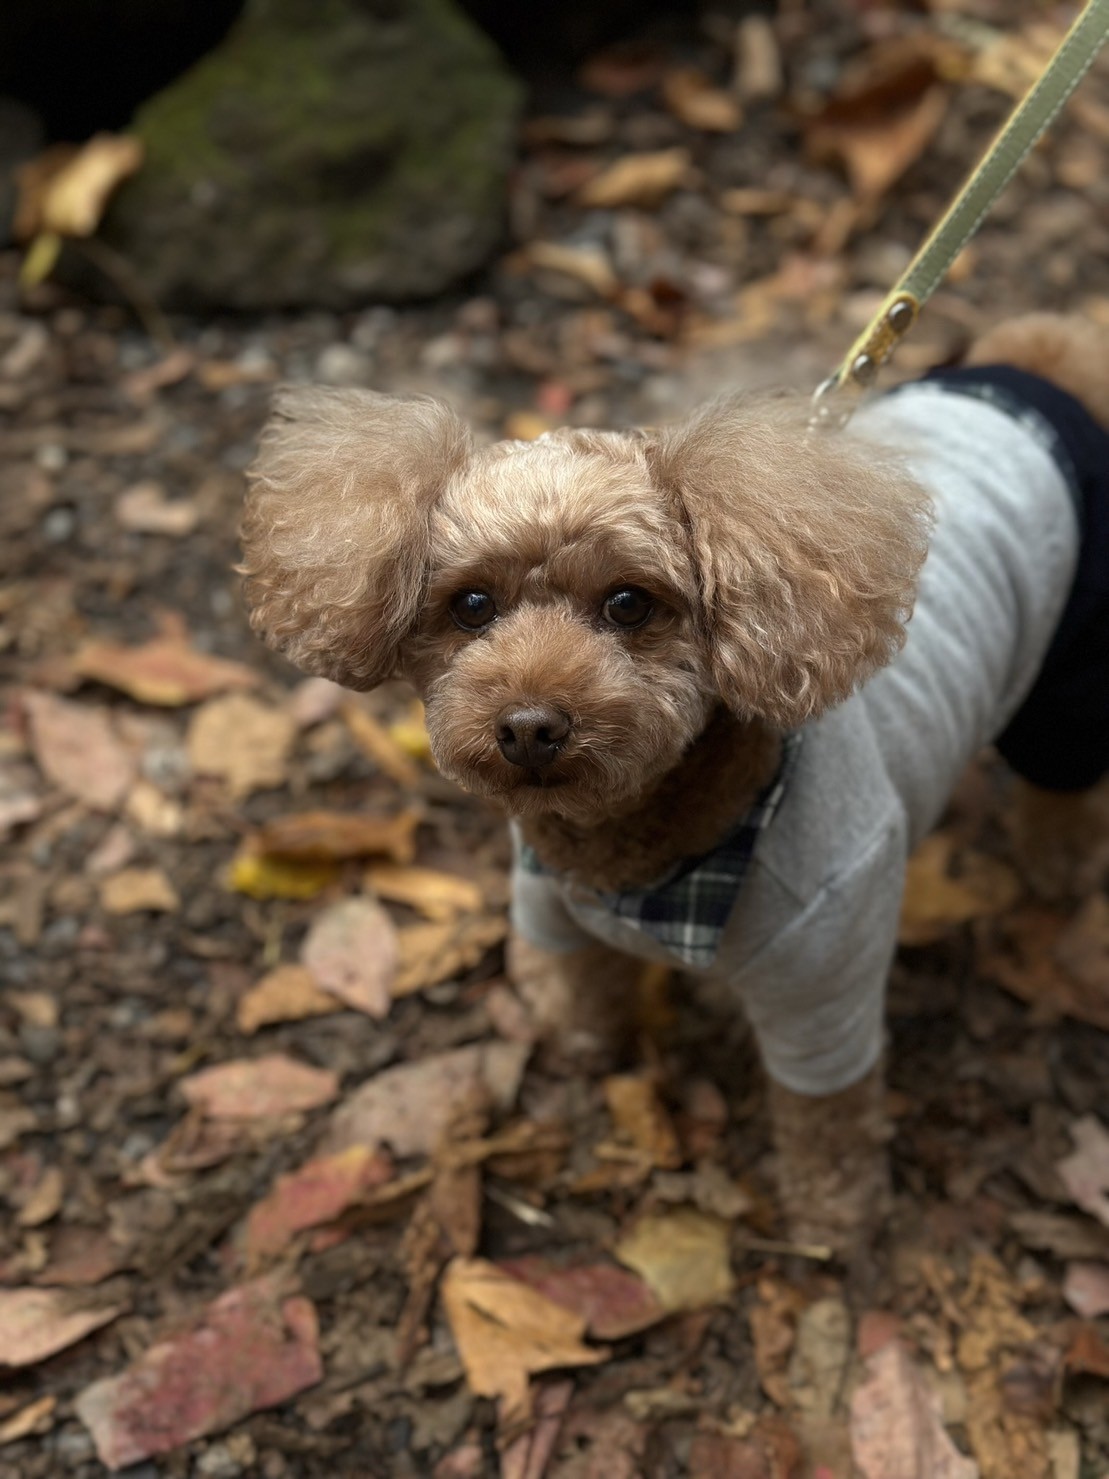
column 542, row 780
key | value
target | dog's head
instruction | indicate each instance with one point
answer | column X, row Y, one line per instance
column 573, row 609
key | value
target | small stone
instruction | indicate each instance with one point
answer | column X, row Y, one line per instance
column 339, row 364
column 41, row 1044
column 58, row 525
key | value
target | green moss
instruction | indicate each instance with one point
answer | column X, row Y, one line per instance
column 321, row 136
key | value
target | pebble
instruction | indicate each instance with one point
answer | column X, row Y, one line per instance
column 59, row 524
column 341, row 364
column 41, row 1044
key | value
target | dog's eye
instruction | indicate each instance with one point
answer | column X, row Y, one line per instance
column 629, row 607
column 473, row 610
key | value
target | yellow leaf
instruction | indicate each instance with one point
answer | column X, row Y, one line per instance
column 506, row 1331
column 264, row 877
column 430, row 953
column 683, row 1257
column 74, row 199
column 410, row 734
column 439, row 896
column 41, row 259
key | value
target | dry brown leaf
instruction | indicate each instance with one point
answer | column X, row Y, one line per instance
column 243, row 741
column 256, row 1088
column 316, row 1193
column 410, row 1107
column 896, row 1423
column 613, row 1302
column 439, row 896
column 351, row 951
column 1023, row 961
column 74, row 200
column 1085, row 1172
column 1086, row 1289
column 135, row 890
column 145, row 508
column 77, row 748
column 695, row 101
column 38, row 1322
column 430, row 953
column 329, row 836
column 637, row 179
column 30, row 1421
column 882, row 117
column 253, row 1349
column 640, row 1116
column 378, row 745
column 774, row 1319
column 45, row 1199
column 506, row 1332
column 286, row 994
column 1088, row 1352
column 1083, row 947
column 682, row 1255
column 589, row 265
column 936, row 900
column 152, row 811
column 166, row 672
column 527, row 1456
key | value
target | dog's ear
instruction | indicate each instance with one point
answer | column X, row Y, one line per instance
column 806, row 548
column 335, row 530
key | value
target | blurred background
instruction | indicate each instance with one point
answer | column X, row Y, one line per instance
column 593, row 212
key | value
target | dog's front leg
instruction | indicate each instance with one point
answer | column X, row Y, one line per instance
column 833, row 1173
column 583, row 1001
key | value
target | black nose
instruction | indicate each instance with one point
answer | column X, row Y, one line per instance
column 531, row 736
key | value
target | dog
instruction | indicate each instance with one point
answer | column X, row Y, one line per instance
column 682, row 662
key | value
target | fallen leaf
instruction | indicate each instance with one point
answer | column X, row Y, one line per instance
column 378, row 745
column 695, row 101
column 439, row 896
column 243, row 741
column 137, row 889
column 636, row 179
column 194, row 1144
column 144, row 508
column 253, row 1349
column 351, row 951
column 682, row 1255
column 430, row 953
column 30, row 1421
column 17, row 808
column 38, row 1322
column 331, row 836
column 1022, row 960
column 79, row 1255
column 256, row 1088
column 774, row 1319
column 113, row 853
column 881, row 118
column 1061, row 1235
column 639, row 1114
column 152, row 811
column 315, row 700
column 74, row 199
column 77, row 748
column 166, row 671
column 758, row 73
column 527, row 1456
column 1088, row 1352
column 585, row 264
column 1082, row 948
column 622, row 70
column 1086, row 1289
column 896, row 1426
column 260, row 876
column 944, row 889
column 410, row 734
column 286, row 994
column 612, row 1302
column 15, row 1122
column 314, row 1194
column 506, row 1332
column 44, row 1201
column 526, row 426
column 1085, row 1172
column 409, row 1107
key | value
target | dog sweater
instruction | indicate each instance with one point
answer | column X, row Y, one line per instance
column 811, row 929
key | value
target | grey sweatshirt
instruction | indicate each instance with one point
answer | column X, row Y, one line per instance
column 808, row 944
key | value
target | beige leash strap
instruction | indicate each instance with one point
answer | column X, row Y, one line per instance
column 1027, row 123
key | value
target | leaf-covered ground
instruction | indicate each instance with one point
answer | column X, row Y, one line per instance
column 285, row 1192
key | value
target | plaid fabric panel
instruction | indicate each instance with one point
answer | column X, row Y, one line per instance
column 687, row 909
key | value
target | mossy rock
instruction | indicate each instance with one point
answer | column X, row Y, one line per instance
column 328, row 153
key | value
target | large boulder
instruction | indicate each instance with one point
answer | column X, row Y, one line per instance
column 328, row 152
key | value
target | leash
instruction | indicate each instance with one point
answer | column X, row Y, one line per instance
column 835, row 399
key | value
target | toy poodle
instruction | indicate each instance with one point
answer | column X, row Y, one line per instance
column 682, row 661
